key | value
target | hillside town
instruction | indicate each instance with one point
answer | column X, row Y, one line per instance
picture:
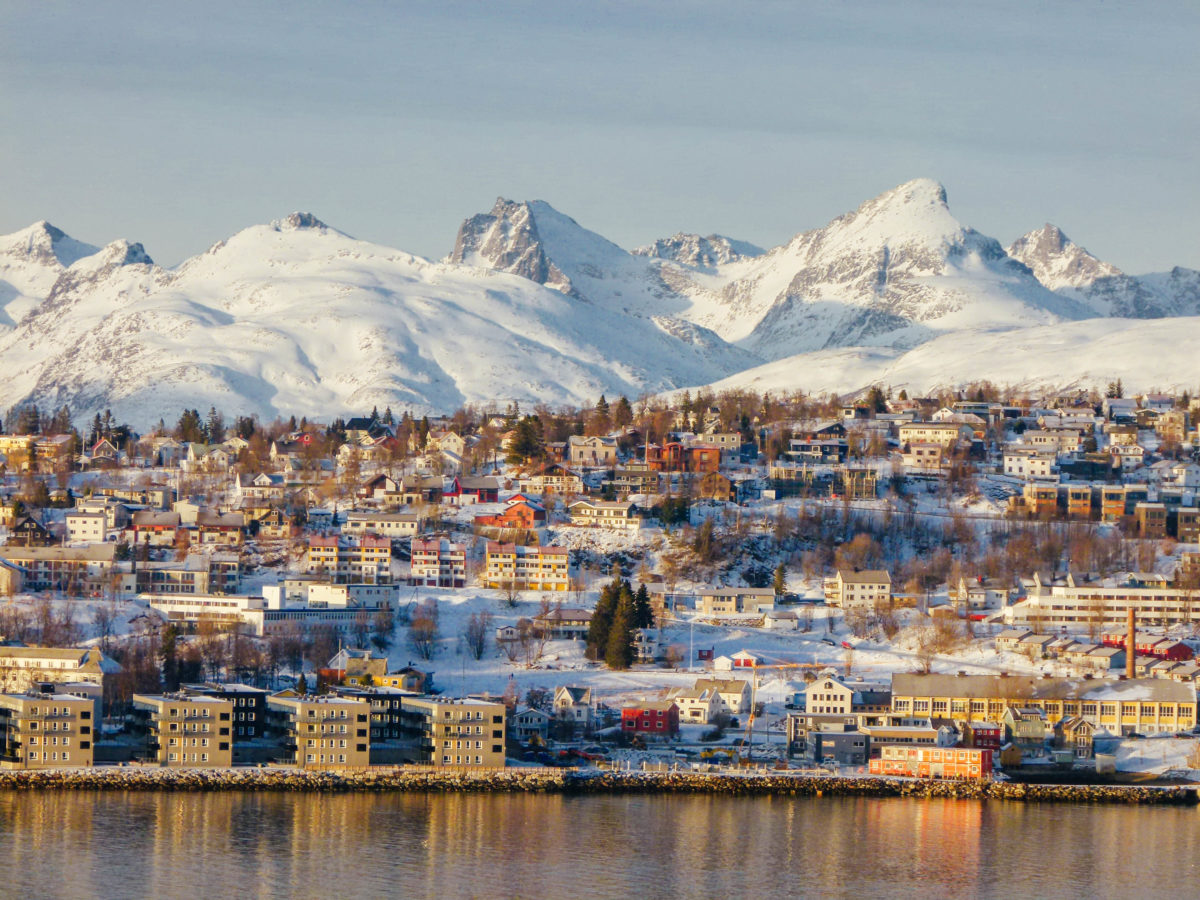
column 932, row 587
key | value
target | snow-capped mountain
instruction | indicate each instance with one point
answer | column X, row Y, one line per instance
column 896, row 272
column 698, row 252
column 296, row 317
column 31, row 260
column 1070, row 270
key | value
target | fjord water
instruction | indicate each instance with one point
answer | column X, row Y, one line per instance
column 163, row 845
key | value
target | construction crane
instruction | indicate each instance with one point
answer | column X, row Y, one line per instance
column 755, row 668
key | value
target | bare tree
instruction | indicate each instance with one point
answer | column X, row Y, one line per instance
column 423, row 629
column 382, row 628
column 475, row 633
column 104, row 617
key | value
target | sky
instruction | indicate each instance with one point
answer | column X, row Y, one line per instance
column 178, row 124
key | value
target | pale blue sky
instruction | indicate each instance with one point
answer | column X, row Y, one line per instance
column 177, row 124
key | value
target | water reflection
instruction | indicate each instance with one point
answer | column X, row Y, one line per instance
column 462, row 845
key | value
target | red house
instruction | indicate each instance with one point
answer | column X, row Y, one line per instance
column 983, row 735
column 651, row 717
column 466, row 489
column 523, row 514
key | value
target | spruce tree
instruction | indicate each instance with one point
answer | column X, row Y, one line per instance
column 619, row 653
column 780, row 580
column 602, row 618
column 643, row 613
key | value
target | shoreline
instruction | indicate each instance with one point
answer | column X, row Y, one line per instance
column 579, row 783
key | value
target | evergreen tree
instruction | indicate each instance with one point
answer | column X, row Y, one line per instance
column 622, row 412
column 214, row 427
column 602, row 618
column 301, row 685
column 619, row 652
column 780, row 584
column 388, row 418
column 643, row 613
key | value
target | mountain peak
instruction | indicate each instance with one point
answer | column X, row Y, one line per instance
column 1057, row 262
column 42, row 242
column 508, row 238
column 699, row 252
column 919, row 192
column 297, row 221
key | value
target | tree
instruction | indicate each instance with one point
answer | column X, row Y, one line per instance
column 780, row 582
column 382, row 628
column 423, row 629
column 214, row 427
column 475, row 634
column 301, row 684
column 602, row 619
column 643, row 612
column 619, row 652
column 622, row 414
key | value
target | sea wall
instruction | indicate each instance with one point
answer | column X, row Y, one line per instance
column 120, row 778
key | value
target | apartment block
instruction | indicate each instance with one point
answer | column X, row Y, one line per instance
column 320, row 731
column 437, row 562
column 186, row 731
column 457, row 732
column 46, row 730
column 362, row 559
column 526, row 568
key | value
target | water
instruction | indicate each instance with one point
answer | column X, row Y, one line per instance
column 199, row 846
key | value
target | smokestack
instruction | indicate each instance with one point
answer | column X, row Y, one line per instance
column 1130, row 646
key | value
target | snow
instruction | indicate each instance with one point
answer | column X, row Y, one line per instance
column 296, row 317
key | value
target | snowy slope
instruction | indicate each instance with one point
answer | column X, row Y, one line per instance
column 296, row 317
column 1068, row 269
column 1153, row 354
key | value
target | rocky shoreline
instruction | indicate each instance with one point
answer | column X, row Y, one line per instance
column 558, row 781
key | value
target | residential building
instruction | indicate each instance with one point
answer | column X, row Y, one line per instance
column 1076, row 601
column 553, row 479
column 947, row 434
column 186, row 730
column 46, row 729
column 214, row 572
column 322, row 731
column 21, row 668
column 361, row 559
column 72, row 570
column 735, row 601
column 574, row 704
column 605, row 514
column 391, row 525
column 653, row 717
column 248, row 720
column 529, row 724
column 867, row 589
column 591, row 451
column 458, row 732
column 86, row 527
column 438, row 562
column 516, row 567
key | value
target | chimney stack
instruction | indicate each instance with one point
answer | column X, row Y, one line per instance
column 1131, row 646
